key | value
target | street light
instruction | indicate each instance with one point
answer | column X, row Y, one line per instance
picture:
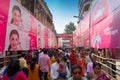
column 81, row 17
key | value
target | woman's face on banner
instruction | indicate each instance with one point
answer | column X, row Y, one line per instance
column 14, row 41
column 16, row 17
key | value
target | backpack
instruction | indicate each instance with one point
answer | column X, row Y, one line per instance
column 12, row 78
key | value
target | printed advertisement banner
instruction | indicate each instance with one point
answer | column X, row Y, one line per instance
column 99, row 10
column 105, row 27
column 33, row 33
column 39, row 45
column 21, row 29
column 106, row 34
column 87, row 38
column 4, row 8
column 46, row 37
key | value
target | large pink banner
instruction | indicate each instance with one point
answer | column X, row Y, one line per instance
column 21, row 29
column 4, row 7
column 33, row 33
column 105, row 34
column 99, row 11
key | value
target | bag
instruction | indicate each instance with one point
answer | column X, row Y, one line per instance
column 12, row 78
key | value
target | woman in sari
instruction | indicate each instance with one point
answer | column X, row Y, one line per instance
column 98, row 74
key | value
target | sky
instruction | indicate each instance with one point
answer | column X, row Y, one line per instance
column 63, row 12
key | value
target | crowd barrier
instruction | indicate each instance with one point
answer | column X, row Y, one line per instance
column 107, row 66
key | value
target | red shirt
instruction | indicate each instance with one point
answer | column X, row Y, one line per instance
column 73, row 58
column 81, row 62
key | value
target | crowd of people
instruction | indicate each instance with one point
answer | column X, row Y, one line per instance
column 55, row 64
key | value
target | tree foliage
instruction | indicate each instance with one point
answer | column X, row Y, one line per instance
column 69, row 28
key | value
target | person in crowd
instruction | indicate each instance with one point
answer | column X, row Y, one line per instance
column 16, row 17
column 77, row 73
column 14, row 41
column 25, row 70
column 28, row 57
column 82, row 63
column 73, row 58
column 87, row 58
column 63, row 67
column 54, row 72
column 52, row 60
column 22, row 60
column 90, row 68
column 33, row 70
column 14, row 72
column 67, row 55
column 55, row 67
column 44, row 63
column 98, row 74
column 41, row 53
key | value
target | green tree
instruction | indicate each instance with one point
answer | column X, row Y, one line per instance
column 69, row 28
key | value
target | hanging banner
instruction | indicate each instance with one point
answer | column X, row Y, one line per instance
column 87, row 38
column 99, row 10
column 33, row 33
column 105, row 33
column 46, row 37
column 74, row 36
column 39, row 45
column 79, row 32
column 4, row 8
column 86, row 26
column 21, row 29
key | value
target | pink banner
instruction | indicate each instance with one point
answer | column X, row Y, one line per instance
column 86, row 38
column 39, row 36
column 99, row 11
column 79, row 30
column 33, row 33
column 105, row 34
column 4, row 6
column 86, row 30
column 46, row 37
column 21, row 29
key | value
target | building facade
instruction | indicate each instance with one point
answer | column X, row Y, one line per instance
column 84, row 7
column 40, row 10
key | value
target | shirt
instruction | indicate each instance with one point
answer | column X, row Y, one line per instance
column 73, row 58
column 82, row 78
column 19, row 76
column 90, row 67
column 40, row 54
column 81, row 62
column 44, row 63
column 54, row 71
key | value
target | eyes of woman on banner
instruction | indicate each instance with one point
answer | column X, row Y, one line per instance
column 14, row 41
column 16, row 17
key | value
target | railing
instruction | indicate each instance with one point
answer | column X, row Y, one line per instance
column 6, row 59
column 109, row 61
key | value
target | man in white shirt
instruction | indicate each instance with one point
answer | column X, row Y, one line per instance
column 54, row 73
